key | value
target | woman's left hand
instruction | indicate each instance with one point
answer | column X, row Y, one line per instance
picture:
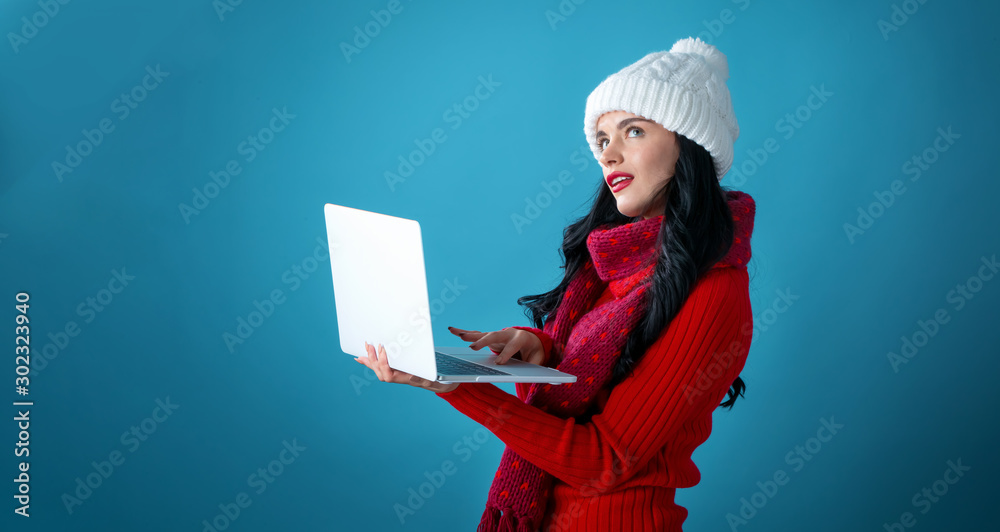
column 378, row 361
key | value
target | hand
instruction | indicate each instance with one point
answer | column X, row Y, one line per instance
column 378, row 361
column 508, row 343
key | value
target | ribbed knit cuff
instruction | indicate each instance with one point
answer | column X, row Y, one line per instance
column 457, row 388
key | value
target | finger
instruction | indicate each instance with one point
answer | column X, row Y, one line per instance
column 467, row 335
column 495, row 340
column 478, row 341
column 366, row 360
column 508, row 351
column 395, row 375
column 497, row 346
column 391, row 375
column 376, row 363
column 387, row 371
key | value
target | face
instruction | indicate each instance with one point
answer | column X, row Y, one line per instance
column 644, row 153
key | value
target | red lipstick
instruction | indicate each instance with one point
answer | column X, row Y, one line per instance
column 622, row 183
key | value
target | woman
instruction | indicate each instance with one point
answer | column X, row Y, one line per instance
column 652, row 316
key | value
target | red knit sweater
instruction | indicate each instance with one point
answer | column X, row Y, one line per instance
column 619, row 469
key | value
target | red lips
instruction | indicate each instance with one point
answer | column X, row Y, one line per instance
column 615, row 175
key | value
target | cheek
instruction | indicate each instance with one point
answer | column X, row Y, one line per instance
column 648, row 163
column 656, row 167
column 668, row 159
column 665, row 165
column 671, row 159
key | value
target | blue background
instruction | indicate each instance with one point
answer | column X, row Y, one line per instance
column 366, row 443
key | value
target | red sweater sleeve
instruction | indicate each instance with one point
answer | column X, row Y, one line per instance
column 523, row 387
column 645, row 410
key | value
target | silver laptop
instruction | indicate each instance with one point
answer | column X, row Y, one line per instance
column 380, row 290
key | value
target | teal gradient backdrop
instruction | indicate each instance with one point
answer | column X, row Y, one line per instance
column 111, row 199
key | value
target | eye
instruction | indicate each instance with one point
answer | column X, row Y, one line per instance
column 601, row 141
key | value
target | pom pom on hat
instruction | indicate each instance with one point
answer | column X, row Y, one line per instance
column 683, row 90
column 709, row 53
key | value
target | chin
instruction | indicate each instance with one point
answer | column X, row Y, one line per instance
column 629, row 211
column 627, row 204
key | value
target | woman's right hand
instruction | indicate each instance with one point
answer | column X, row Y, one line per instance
column 507, row 343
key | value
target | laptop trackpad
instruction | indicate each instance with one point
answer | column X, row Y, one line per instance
column 490, row 360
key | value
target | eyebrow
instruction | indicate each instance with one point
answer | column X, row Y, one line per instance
column 623, row 123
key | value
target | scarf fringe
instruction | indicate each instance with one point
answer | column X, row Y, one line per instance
column 508, row 523
column 489, row 521
column 495, row 521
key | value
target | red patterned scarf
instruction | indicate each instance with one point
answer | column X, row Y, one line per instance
column 589, row 341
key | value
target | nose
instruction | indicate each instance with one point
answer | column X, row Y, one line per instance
column 611, row 155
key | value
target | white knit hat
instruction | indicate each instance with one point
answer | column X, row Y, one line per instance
column 683, row 90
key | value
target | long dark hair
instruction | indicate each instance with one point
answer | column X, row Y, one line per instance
column 697, row 232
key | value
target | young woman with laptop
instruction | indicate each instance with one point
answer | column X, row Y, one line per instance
column 653, row 315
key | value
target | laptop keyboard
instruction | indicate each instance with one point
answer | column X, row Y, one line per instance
column 449, row 365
